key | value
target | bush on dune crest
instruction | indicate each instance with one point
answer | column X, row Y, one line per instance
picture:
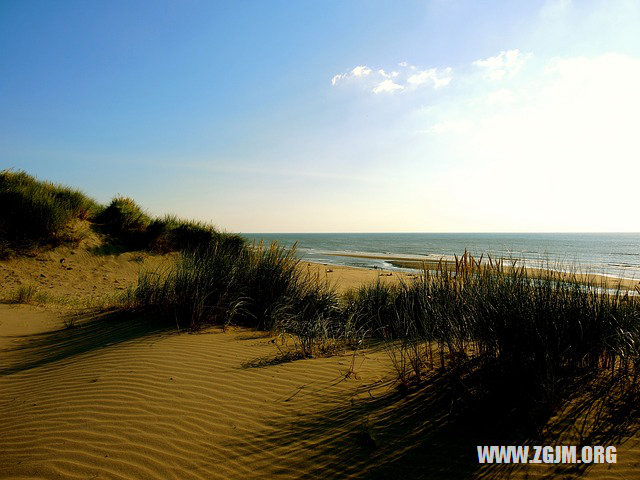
column 124, row 219
column 124, row 214
column 170, row 233
column 36, row 212
column 129, row 224
column 39, row 212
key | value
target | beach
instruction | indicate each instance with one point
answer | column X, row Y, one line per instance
column 319, row 240
column 88, row 394
column 129, row 402
column 607, row 254
column 78, row 277
column 414, row 266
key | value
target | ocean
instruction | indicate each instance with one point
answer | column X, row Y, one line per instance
column 615, row 254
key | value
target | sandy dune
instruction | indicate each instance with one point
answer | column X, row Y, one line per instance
column 119, row 400
column 113, row 398
column 77, row 275
column 122, row 398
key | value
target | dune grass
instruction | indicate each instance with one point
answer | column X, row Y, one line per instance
column 170, row 233
column 27, row 294
column 126, row 220
column 130, row 226
column 39, row 213
column 35, row 211
column 535, row 336
column 261, row 287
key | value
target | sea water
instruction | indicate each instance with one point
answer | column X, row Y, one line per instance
column 615, row 254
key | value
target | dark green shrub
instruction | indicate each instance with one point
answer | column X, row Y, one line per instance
column 124, row 214
column 170, row 234
column 35, row 212
column 125, row 220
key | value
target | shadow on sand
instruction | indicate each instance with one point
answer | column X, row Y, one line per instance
column 84, row 333
column 430, row 431
column 433, row 430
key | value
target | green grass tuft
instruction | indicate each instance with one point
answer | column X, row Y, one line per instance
column 25, row 294
column 260, row 287
column 126, row 220
column 534, row 335
column 28, row 294
column 37, row 212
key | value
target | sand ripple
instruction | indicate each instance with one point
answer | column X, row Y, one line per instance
column 116, row 399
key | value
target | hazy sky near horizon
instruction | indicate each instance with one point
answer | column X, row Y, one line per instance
column 333, row 116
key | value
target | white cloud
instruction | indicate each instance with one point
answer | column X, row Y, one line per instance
column 436, row 78
column 383, row 80
column 361, row 71
column 504, row 65
column 337, row 78
column 392, row 74
column 387, row 86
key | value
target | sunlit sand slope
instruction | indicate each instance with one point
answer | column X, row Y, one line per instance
column 118, row 399
column 77, row 276
column 123, row 401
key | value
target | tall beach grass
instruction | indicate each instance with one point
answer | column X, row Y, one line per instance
column 536, row 335
column 258, row 286
column 35, row 211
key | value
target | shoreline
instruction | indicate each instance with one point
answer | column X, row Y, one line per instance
column 415, row 265
column 345, row 278
column 607, row 254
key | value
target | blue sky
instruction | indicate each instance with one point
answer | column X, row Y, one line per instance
column 334, row 115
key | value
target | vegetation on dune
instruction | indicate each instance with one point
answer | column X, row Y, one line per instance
column 260, row 286
column 124, row 218
column 533, row 336
column 25, row 294
column 171, row 233
column 37, row 213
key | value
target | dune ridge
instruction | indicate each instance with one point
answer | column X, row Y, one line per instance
column 119, row 399
column 158, row 406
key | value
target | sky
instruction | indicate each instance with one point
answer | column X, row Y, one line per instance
column 333, row 116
